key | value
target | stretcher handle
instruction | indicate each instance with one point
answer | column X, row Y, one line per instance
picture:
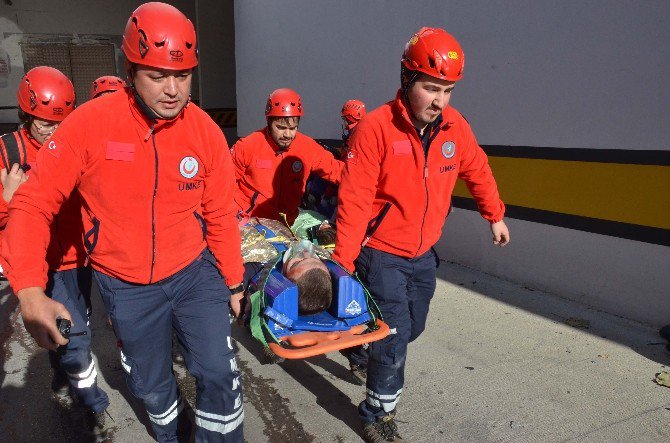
column 309, row 344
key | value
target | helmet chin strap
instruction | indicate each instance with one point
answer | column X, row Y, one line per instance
column 407, row 79
column 345, row 132
column 144, row 108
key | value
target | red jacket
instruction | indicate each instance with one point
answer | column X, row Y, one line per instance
column 66, row 248
column 148, row 190
column 271, row 181
column 386, row 167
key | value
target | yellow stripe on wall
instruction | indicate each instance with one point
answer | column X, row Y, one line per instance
column 637, row 194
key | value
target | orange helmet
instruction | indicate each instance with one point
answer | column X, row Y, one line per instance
column 435, row 52
column 284, row 102
column 106, row 83
column 352, row 112
column 160, row 36
column 46, row 93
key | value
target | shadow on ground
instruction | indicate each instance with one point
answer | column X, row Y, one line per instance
column 28, row 407
column 29, row 410
column 645, row 340
column 274, row 408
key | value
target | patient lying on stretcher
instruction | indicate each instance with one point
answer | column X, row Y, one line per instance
column 264, row 241
column 304, row 268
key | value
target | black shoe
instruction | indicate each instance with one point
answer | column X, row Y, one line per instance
column 359, row 373
column 665, row 332
column 95, row 425
column 60, row 385
column 384, row 429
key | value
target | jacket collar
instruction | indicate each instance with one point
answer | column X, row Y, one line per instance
column 399, row 108
column 145, row 116
column 275, row 147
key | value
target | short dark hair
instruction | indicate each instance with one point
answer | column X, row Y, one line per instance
column 315, row 291
column 286, row 120
column 24, row 117
column 326, row 236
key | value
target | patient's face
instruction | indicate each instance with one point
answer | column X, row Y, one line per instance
column 297, row 266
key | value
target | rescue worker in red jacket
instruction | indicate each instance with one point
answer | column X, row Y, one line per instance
column 321, row 195
column 352, row 113
column 156, row 180
column 106, row 85
column 272, row 165
column 45, row 98
column 395, row 194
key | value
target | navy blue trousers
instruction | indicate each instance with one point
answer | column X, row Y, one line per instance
column 72, row 288
column 193, row 303
column 403, row 289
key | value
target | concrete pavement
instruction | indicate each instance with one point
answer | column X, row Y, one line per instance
column 497, row 363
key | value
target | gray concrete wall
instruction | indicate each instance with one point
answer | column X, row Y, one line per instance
column 622, row 277
column 216, row 34
column 571, row 74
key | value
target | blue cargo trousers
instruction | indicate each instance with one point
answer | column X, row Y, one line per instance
column 72, row 288
column 193, row 302
column 402, row 288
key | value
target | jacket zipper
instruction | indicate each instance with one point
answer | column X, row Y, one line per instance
column 281, row 181
column 431, row 137
column 423, row 219
column 153, row 206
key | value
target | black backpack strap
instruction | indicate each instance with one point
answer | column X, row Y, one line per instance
column 12, row 154
column 23, row 149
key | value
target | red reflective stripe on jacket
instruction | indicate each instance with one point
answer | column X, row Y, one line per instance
column 386, row 164
column 66, row 249
column 144, row 189
column 279, row 177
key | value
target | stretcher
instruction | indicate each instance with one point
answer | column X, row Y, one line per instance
column 353, row 318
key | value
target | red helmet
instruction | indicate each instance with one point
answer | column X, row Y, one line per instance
column 352, row 112
column 434, row 52
column 46, row 93
column 284, row 102
column 160, row 36
column 106, row 83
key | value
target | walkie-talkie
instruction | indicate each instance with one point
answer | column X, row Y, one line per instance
column 64, row 325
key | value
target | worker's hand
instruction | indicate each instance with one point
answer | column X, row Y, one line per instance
column 500, row 233
column 11, row 181
column 39, row 314
column 236, row 302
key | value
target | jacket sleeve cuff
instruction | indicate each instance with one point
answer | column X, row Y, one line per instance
column 346, row 264
column 26, row 281
column 498, row 216
column 233, row 277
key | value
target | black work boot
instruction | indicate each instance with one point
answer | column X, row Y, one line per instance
column 384, row 429
column 95, row 425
